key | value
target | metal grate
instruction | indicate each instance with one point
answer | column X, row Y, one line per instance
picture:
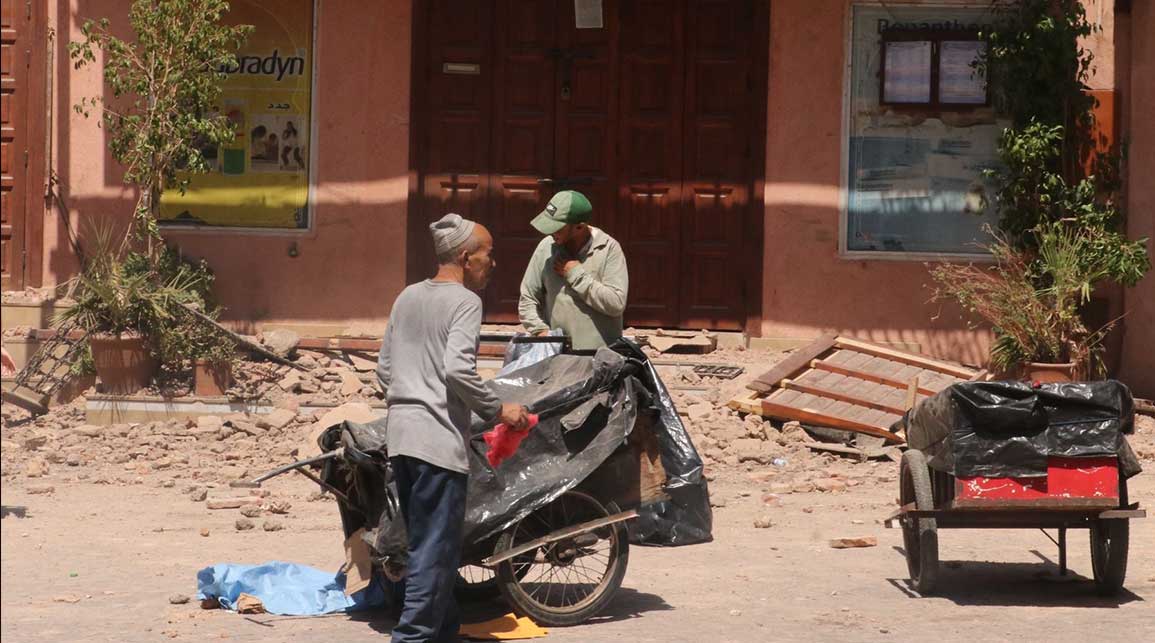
column 48, row 370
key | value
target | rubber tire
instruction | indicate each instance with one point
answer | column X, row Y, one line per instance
column 919, row 535
column 1109, row 545
column 523, row 605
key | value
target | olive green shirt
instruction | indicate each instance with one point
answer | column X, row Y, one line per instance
column 587, row 304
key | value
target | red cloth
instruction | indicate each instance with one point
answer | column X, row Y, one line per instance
column 503, row 440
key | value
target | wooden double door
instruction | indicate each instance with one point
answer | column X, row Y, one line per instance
column 653, row 115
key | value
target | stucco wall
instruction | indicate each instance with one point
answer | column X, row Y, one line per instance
column 352, row 263
column 1139, row 324
column 808, row 287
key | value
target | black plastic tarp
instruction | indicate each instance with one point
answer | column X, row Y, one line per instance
column 587, row 408
column 1008, row 429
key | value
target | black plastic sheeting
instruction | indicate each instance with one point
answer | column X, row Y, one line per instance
column 1008, row 429
column 587, row 408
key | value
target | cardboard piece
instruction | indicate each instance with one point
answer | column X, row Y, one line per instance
column 249, row 604
column 358, row 564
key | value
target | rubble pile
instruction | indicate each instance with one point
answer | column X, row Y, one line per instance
column 209, row 449
column 322, row 380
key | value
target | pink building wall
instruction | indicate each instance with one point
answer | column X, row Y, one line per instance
column 351, row 265
column 808, row 288
column 1138, row 368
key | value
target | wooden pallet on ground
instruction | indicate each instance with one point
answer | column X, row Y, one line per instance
column 848, row 384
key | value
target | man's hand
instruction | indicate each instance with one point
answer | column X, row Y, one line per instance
column 514, row 415
column 562, row 265
column 541, row 333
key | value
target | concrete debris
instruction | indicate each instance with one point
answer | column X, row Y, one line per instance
column 251, row 511
column 273, row 525
column 89, row 430
column 40, row 489
column 279, row 506
column 291, row 382
column 763, row 522
column 244, row 524
column 36, row 468
column 276, row 419
column 231, row 503
column 667, row 341
column 178, row 599
column 350, row 384
column 362, row 365
column 281, row 342
column 849, row 543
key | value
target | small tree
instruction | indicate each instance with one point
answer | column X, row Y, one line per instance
column 166, row 84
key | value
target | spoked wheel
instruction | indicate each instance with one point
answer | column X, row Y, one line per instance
column 1109, row 544
column 479, row 583
column 919, row 535
column 475, row 583
column 567, row 581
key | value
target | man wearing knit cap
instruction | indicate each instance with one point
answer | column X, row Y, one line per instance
column 428, row 368
column 576, row 280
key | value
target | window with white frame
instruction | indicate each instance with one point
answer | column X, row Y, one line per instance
column 920, row 131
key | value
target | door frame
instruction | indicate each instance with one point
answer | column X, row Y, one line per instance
column 751, row 263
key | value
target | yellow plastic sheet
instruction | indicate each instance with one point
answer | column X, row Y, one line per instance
column 505, row 628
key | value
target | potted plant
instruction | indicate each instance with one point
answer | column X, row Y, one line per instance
column 1032, row 300
column 1059, row 237
column 128, row 304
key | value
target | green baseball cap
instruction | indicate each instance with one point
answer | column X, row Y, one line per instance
column 567, row 206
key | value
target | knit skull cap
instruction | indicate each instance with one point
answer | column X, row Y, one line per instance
column 450, row 231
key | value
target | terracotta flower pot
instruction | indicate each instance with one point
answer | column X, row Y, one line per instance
column 123, row 363
column 1047, row 373
column 211, row 379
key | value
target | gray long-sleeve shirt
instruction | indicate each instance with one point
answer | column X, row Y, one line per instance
column 428, row 366
column 588, row 303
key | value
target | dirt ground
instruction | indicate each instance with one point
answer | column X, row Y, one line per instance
column 102, row 525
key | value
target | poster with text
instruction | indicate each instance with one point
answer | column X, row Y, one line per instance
column 261, row 179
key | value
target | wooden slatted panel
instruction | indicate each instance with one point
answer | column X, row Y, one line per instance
column 817, row 415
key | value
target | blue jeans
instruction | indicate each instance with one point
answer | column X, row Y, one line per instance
column 433, row 504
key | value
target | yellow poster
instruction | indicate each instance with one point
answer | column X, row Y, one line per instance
column 261, row 180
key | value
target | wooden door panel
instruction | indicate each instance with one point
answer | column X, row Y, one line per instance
column 586, row 106
column 454, row 147
column 650, row 157
column 13, row 140
column 523, row 138
column 651, row 116
column 717, row 168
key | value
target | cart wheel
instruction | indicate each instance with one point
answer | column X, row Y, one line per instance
column 475, row 583
column 1109, row 540
column 565, row 582
column 919, row 535
column 479, row 583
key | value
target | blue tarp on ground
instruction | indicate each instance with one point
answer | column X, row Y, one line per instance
column 285, row 588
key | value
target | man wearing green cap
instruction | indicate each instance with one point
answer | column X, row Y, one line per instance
column 576, row 280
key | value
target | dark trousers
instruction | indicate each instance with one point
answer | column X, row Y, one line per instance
column 433, row 504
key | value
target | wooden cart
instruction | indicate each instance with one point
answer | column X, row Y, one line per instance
column 1076, row 493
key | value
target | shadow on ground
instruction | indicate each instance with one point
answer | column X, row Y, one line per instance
column 987, row 583
column 627, row 604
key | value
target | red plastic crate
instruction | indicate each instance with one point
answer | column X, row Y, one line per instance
column 1070, row 482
